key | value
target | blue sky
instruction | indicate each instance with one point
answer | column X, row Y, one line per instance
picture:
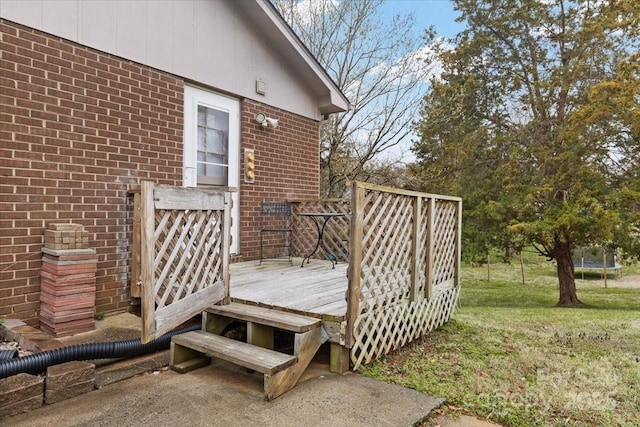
column 438, row 13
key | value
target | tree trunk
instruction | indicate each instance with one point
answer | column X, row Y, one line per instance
column 566, row 279
column 508, row 249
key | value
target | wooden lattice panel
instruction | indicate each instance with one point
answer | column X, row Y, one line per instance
column 386, row 248
column 336, row 234
column 188, row 254
column 382, row 331
column 405, row 271
column 445, row 244
column 185, row 241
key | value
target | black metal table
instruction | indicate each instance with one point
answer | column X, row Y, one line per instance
column 319, row 217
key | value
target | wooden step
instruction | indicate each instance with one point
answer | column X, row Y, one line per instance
column 250, row 356
column 265, row 316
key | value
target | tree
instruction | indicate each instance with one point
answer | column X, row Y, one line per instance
column 380, row 67
column 528, row 141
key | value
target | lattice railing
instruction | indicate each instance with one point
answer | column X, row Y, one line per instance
column 188, row 253
column 445, row 244
column 185, row 241
column 404, row 268
column 336, row 234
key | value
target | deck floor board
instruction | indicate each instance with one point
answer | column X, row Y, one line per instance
column 315, row 289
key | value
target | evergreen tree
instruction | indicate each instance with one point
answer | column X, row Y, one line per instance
column 534, row 122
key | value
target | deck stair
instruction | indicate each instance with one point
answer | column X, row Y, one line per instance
column 281, row 371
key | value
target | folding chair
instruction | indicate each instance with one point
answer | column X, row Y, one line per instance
column 275, row 231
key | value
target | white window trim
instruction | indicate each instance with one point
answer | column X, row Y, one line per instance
column 193, row 97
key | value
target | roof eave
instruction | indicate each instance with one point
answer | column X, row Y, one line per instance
column 281, row 36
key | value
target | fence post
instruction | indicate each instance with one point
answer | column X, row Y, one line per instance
column 355, row 261
column 458, row 266
column 226, row 246
column 147, row 254
column 415, row 248
column 428, row 287
column 604, row 266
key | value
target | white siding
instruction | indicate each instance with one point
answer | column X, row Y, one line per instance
column 97, row 24
column 59, row 13
column 206, row 41
column 131, row 33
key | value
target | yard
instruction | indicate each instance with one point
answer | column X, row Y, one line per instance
column 510, row 356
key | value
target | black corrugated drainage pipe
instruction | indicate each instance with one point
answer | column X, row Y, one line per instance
column 39, row 362
column 8, row 354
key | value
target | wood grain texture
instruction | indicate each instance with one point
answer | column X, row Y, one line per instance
column 406, row 277
column 147, row 255
column 305, row 347
column 184, row 262
column 136, row 243
column 314, row 291
column 176, row 198
column 257, row 358
column 276, row 319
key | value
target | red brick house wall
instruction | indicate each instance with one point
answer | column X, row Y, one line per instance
column 287, row 166
column 79, row 128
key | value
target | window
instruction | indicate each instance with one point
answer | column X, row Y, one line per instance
column 213, row 146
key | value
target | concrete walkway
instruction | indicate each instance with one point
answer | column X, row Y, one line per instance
column 225, row 395
column 233, row 397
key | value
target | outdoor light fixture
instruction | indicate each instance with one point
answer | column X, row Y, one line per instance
column 266, row 121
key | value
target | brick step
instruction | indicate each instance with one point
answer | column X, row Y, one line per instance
column 240, row 353
column 264, row 316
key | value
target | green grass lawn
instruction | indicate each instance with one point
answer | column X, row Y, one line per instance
column 510, row 356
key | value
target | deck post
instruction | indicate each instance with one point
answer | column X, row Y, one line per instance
column 355, row 261
column 339, row 360
column 147, row 262
column 226, row 246
column 135, row 245
column 430, row 248
column 458, row 260
column 415, row 248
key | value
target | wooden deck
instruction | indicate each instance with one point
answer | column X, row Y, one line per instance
column 314, row 290
column 401, row 285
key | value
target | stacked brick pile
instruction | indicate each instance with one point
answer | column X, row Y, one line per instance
column 66, row 236
column 67, row 281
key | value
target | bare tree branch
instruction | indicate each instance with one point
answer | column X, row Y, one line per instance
column 378, row 65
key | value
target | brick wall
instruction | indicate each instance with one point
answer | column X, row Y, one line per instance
column 287, row 161
column 78, row 128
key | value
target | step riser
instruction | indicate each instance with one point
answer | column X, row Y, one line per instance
column 281, row 371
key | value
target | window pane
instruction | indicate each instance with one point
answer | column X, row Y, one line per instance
column 222, row 120
column 216, row 171
column 211, row 136
column 218, row 143
column 202, row 113
column 212, row 158
column 202, row 138
column 201, row 158
column 211, row 118
column 213, row 140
